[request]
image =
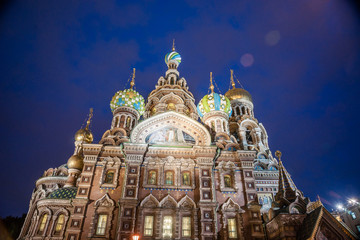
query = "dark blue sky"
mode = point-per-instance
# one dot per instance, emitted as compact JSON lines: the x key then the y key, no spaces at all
{"x":59,"y":58}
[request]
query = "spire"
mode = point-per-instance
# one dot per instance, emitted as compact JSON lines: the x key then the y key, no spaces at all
{"x":232,"y":78}
{"x":287,"y":188}
{"x":89,"y":119}
{"x":211,"y":83}
{"x":173,"y":46}
{"x":132,"y":83}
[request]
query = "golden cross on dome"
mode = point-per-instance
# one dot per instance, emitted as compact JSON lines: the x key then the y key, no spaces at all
{"x":278,"y":155}
{"x":232,"y":78}
{"x":89,"y":119}
{"x":173,"y":47}
{"x":132,"y":83}
{"x":211,"y":83}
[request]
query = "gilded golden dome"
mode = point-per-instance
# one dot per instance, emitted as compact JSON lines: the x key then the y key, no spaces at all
{"x":84,"y":135}
{"x":238,"y":93}
{"x":75,"y":161}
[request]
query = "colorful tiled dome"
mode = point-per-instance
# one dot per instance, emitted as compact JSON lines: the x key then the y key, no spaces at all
{"x":214,"y":102}
{"x":63,"y":193}
{"x":173,"y":57}
{"x":128,"y":98}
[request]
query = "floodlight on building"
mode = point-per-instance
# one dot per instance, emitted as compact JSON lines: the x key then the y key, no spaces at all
{"x":135,"y":237}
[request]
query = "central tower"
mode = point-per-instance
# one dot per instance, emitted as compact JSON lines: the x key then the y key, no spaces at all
{"x":171,"y":91}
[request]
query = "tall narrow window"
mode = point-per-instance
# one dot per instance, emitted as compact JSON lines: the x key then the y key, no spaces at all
{"x":186,"y":179}
{"x":149,"y":225}
{"x":109,"y":178}
{"x":128,"y":120}
{"x":186,"y":227}
{"x":43,"y":223}
{"x":116,"y":122}
{"x":232,"y":228}
{"x":152,"y":177}
{"x":224,"y":126}
{"x":169,"y":178}
{"x":353,"y":215}
{"x":101,"y":224}
{"x":227,"y":181}
{"x":167,"y":226}
{"x":60,"y":223}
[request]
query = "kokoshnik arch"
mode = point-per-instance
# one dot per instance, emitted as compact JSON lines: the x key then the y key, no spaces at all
{"x":169,"y":176}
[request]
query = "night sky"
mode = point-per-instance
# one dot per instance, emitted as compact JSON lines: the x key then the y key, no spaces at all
{"x":300,"y":60}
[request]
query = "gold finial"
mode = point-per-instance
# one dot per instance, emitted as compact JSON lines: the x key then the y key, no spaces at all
{"x":173,"y":47}
{"x":278,"y":155}
{"x":211,"y":83}
{"x":232,"y":78}
{"x":89,"y":119}
{"x":132,"y":83}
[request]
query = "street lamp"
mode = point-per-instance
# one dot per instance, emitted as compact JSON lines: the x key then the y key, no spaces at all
{"x":136,"y":237}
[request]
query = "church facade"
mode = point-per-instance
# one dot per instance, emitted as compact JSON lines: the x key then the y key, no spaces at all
{"x":160,"y":173}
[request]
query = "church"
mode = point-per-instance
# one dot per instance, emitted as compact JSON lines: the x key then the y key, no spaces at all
{"x":171,"y":167}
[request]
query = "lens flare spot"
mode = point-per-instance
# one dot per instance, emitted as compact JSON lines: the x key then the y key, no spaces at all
{"x":272,"y":38}
{"x":247,"y":60}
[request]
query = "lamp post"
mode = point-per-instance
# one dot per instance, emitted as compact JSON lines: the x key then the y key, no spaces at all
{"x":136,"y":236}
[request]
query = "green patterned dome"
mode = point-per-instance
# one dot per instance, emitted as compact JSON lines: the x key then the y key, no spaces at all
{"x":63,"y":193}
{"x":214,"y":102}
{"x":128,"y":98}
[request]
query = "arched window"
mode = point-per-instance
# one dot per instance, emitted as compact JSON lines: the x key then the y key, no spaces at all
{"x":101,"y":224}
{"x":59,"y":224}
{"x":128,"y":121}
{"x":237,"y":110}
{"x":43,"y":223}
{"x":109,"y":177}
{"x":169,"y":178}
{"x":116,"y":122}
{"x":213,"y":126}
{"x":243,"y":110}
{"x":249,"y":138}
{"x":152,"y":177}
{"x":224,"y":126}
{"x":186,"y":179}
{"x":122,"y":121}
{"x":133,"y":123}
{"x":227,"y":180}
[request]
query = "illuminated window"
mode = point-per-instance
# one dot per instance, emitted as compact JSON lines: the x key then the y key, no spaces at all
{"x":59,"y":223}
{"x":128,"y":120}
{"x":167,"y":226}
{"x":186,"y":179}
{"x":358,"y":228}
{"x":227,"y":181}
{"x":232,"y":228}
{"x":101,"y":224}
{"x":109,"y":178}
{"x":152,"y":177}
{"x":352,"y":214}
{"x":149,"y":225}
{"x":169,"y":178}
{"x":43,"y":223}
{"x":186,"y":226}
{"x":116,"y":121}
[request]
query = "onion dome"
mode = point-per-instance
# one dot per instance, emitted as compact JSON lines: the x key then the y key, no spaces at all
{"x":75,"y":162}
{"x":84,"y":134}
{"x":173,"y":57}
{"x":128,"y":98}
{"x":63,"y":193}
{"x":237,"y":93}
{"x":214,"y":102}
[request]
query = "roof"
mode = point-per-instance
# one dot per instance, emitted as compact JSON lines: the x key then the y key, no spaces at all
{"x":310,"y":223}
{"x":63,"y":193}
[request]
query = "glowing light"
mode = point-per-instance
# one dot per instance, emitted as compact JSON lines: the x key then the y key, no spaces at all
{"x":272,"y":38}
{"x":247,"y":60}
{"x":135,"y":237}
{"x":340,"y":207}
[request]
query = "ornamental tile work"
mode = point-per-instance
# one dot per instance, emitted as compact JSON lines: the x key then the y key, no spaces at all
{"x":63,"y":193}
